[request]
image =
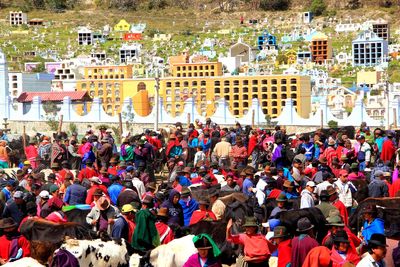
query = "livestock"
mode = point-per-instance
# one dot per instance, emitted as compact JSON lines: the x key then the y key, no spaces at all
{"x":25,"y":262}
{"x":43,"y":230}
{"x":173,"y":254}
{"x":98,"y":253}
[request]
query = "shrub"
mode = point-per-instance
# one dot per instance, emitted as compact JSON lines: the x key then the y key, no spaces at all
{"x":318,"y":7}
{"x":332,"y":124}
{"x":274,"y":4}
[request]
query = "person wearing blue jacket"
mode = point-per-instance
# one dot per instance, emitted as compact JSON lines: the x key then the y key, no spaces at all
{"x":372,"y":224}
{"x":115,"y":189}
{"x":75,"y":193}
{"x":189,"y":205}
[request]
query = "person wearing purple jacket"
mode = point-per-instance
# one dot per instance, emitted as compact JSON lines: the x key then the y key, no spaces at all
{"x":208,"y":253}
{"x":175,"y":211}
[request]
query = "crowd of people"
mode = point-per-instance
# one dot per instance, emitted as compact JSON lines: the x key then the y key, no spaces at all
{"x":117,"y":185}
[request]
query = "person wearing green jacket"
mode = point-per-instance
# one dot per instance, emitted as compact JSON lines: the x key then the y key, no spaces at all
{"x":145,"y":237}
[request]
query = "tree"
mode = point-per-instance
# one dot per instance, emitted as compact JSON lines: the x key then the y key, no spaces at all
{"x":274,"y":5}
{"x":124,"y":4}
{"x":56,"y":4}
{"x":318,"y":7}
{"x":332,"y":124}
{"x":354,"y":4}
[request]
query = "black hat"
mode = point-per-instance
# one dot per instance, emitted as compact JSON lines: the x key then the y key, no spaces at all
{"x":341,"y":237}
{"x":7,"y":223}
{"x":370,"y":209}
{"x":324,"y":194}
{"x":203,"y":243}
{"x":377,"y":240}
{"x":304,"y":225}
{"x":213,"y":192}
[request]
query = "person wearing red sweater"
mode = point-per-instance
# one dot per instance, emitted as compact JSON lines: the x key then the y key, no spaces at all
{"x":12,"y":244}
{"x":32,"y":153}
{"x":164,"y":231}
{"x":388,"y":148}
{"x":338,"y":204}
{"x":257,"y":249}
{"x":342,"y":252}
{"x":95,"y":183}
{"x":202,"y":214}
{"x":282,"y":239}
{"x":87,"y":172}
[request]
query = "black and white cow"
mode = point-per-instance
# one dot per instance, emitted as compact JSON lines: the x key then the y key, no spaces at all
{"x":98,"y":253}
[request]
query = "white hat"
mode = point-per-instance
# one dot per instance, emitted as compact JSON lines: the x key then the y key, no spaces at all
{"x":310,"y":183}
{"x":44,"y":194}
{"x":96,"y":180}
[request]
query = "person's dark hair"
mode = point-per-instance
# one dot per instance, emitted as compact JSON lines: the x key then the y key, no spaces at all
{"x":73,"y":142}
{"x":51,"y":176}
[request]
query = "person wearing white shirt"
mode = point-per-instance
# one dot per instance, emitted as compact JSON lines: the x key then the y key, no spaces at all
{"x":376,"y":252}
{"x":307,"y":198}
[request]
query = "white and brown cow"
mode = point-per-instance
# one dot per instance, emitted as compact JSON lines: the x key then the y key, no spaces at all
{"x":98,"y":253}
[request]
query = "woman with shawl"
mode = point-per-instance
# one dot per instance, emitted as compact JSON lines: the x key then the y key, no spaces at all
{"x":208,"y":253}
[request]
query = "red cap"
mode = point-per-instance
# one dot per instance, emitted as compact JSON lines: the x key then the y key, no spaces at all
{"x":343,"y":172}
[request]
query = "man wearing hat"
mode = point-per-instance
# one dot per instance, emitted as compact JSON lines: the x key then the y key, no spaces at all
{"x":364,"y":153}
{"x":372,"y":224}
{"x":255,"y":245}
{"x":248,"y":182}
{"x":330,"y":152}
{"x":105,"y":153}
{"x":145,"y":236}
{"x":335,"y":201}
{"x":13,"y":245}
{"x":307,"y":196}
{"x":124,"y":223}
{"x":325,"y":206}
{"x":303,"y":243}
{"x":289,"y":190}
{"x":165,"y":232}
{"x":342,"y":252}
{"x":281,"y":202}
{"x":15,"y":207}
{"x":378,"y":188}
{"x":115,"y":189}
{"x":239,"y":153}
{"x":95,"y":183}
{"x":377,"y":249}
{"x":282,"y":239}
{"x":64,"y":171}
{"x":189,"y":205}
{"x":102,"y":215}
